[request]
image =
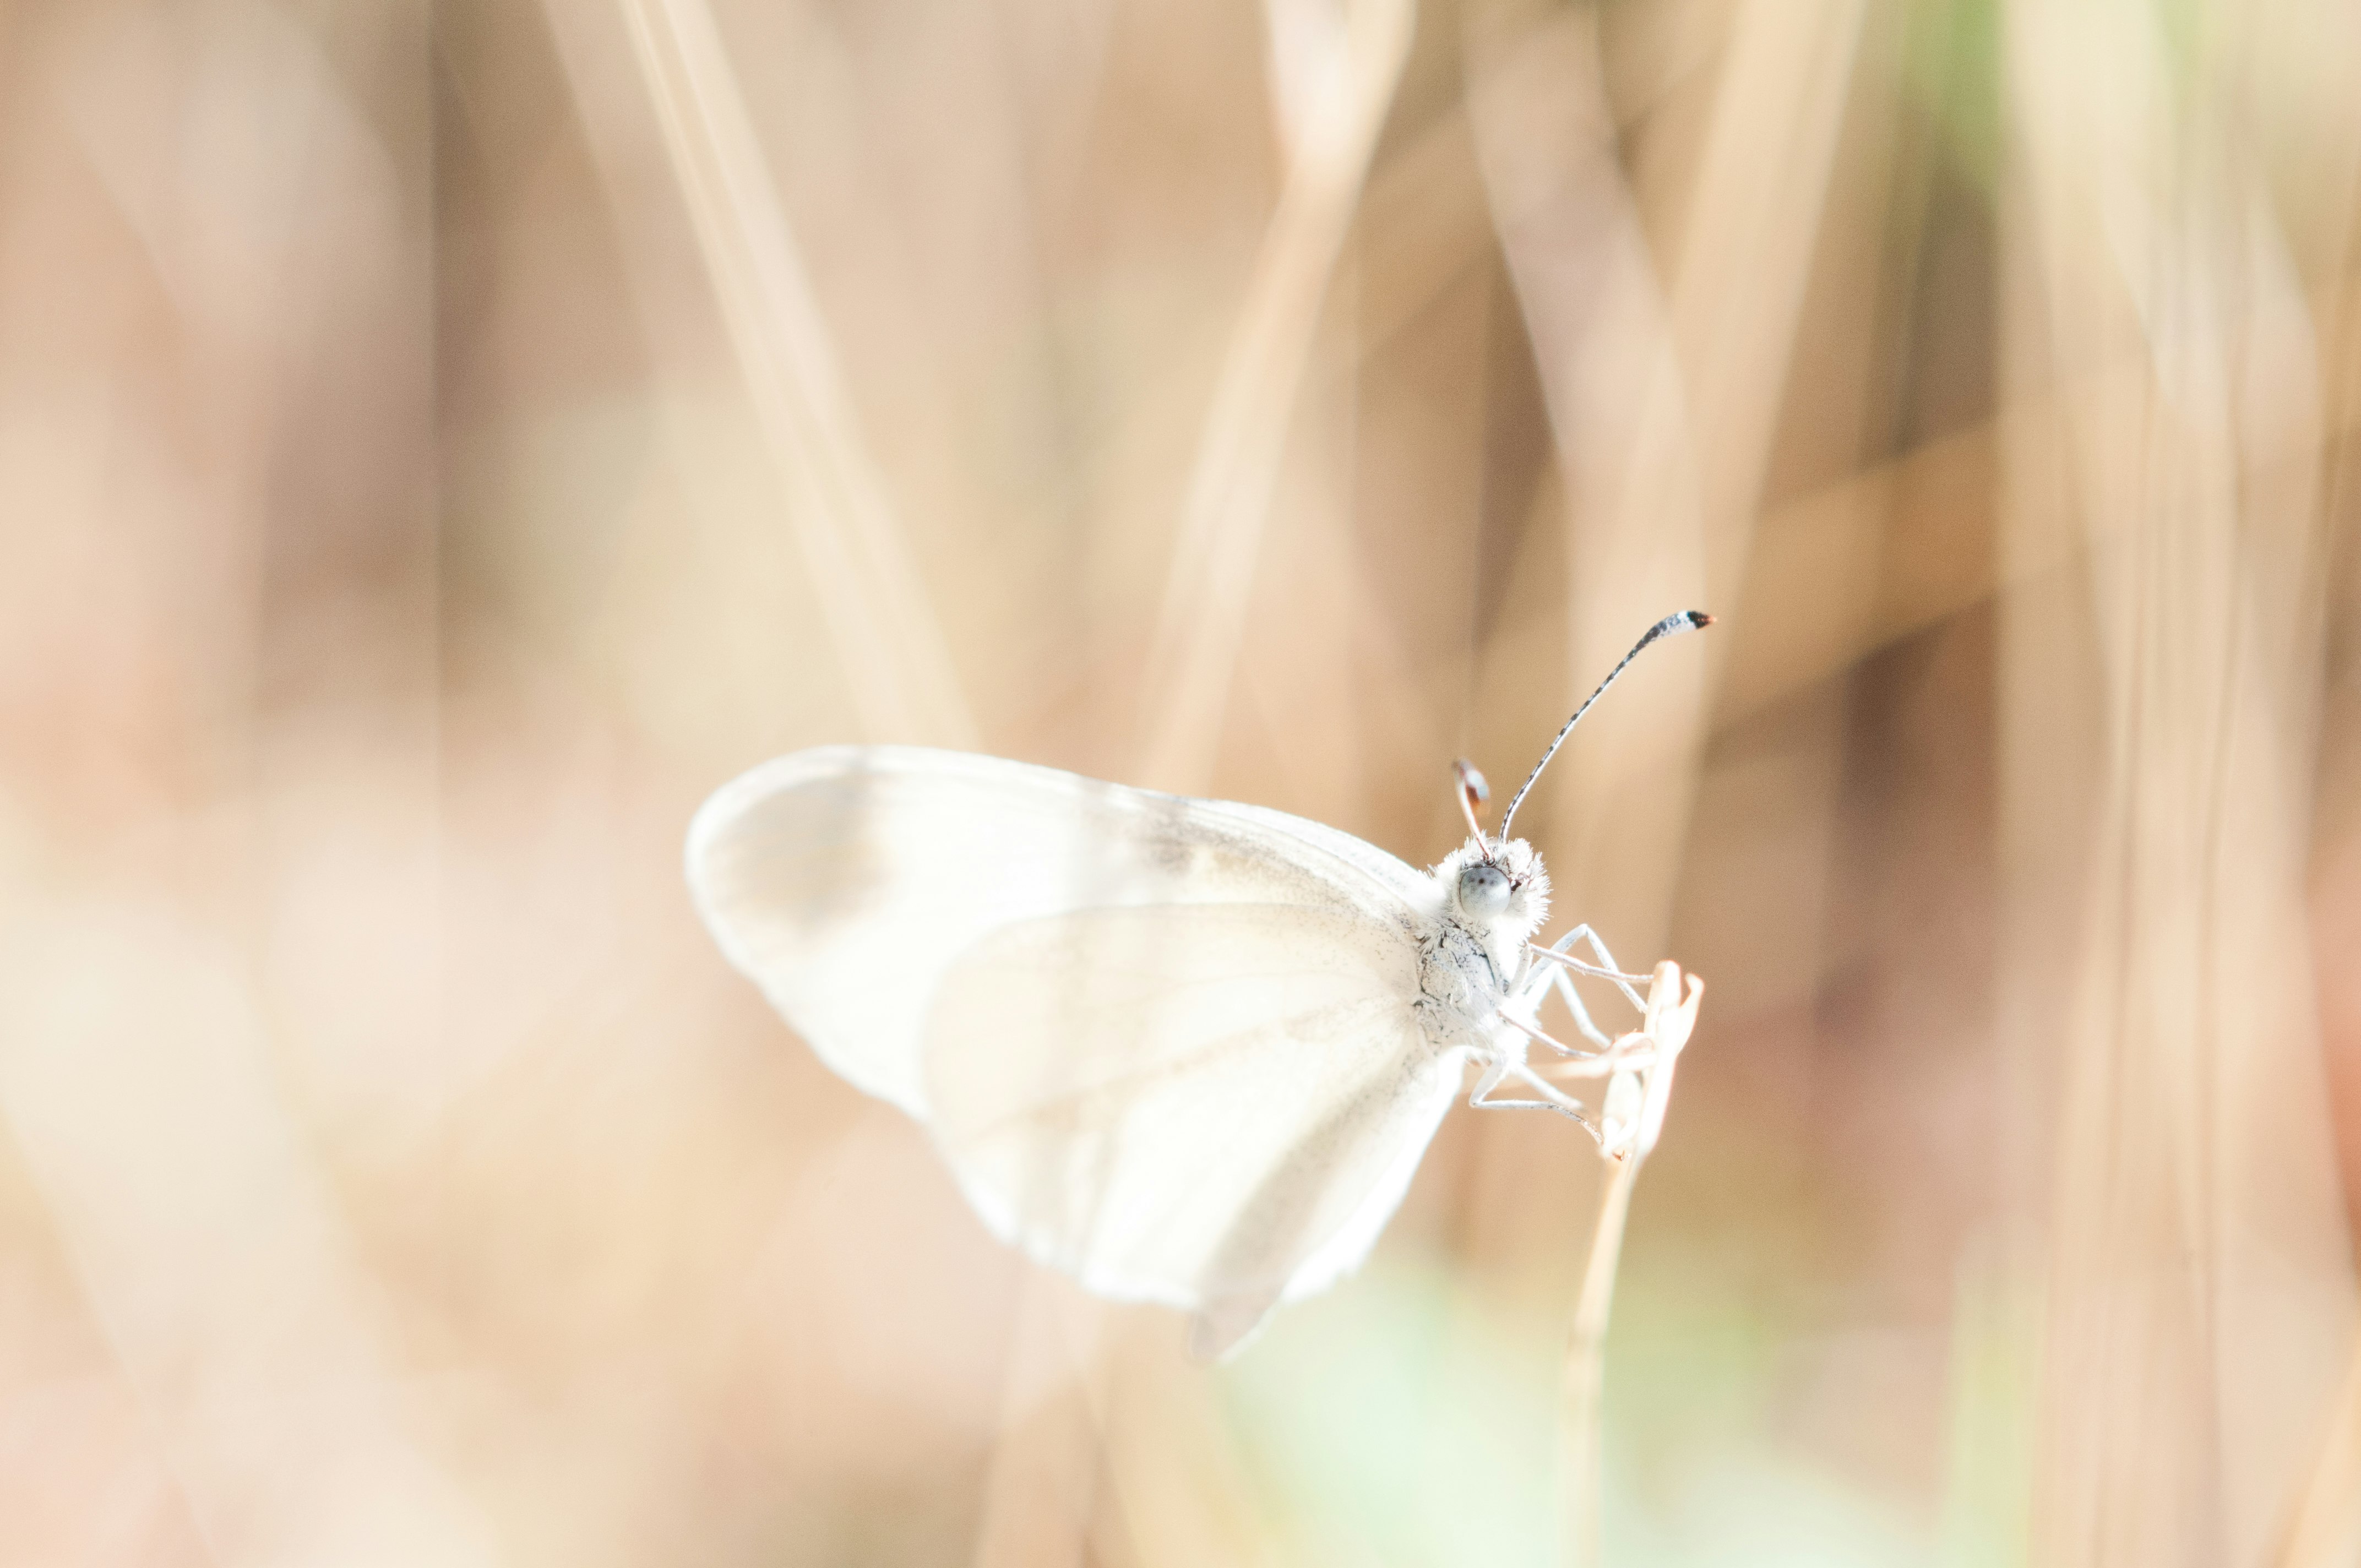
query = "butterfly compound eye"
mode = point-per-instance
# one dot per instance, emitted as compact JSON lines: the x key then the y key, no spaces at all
{"x":1483,"y":890}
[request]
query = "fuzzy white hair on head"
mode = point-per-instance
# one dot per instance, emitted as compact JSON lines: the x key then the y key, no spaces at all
{"x":1496,"y":887}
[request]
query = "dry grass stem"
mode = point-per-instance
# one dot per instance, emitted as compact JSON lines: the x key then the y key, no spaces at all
{"x":887,"y":641}
{"x":438,"y":443}
{"x":1629,"y":1120}
{"x":2178,"y":1006}
{"x":1332,"y":71}
{"x":1581,"y":1431}
{"x":1662,"y":376}
{"x":1334,"y":66}
{"x":2325,"y":1526}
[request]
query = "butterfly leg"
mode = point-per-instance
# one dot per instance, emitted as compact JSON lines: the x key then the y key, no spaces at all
{"x":1617,"y":1058}
{"x":1574,"y":1004}
{"x":1541,"y":1038}
{"x":1560,"y":952}
{"x":1553,"y":975}
{"x":1624,"y":982}
{"x":1552,"y":1099}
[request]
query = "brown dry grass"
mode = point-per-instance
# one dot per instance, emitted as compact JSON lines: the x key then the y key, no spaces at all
{"x":439,"y":443}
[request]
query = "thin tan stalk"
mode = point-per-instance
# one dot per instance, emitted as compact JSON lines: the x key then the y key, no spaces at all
{"x":1663,"y":371}
{"x":1042,"y":1484}
{"x":2325,"y":1526}
{"x":1581,"y":1441}
{"x":1630,"y":1119}
{"x":1333,"y":71}
{"x":884,"y":632}
{"x":2157,"y":748}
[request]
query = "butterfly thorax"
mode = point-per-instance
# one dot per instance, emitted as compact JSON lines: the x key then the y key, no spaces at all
{"x":1460,"y":988}
{"x":1495,"y":896}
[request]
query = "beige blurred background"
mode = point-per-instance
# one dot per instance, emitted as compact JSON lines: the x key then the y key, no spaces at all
{"x":441,"y":442}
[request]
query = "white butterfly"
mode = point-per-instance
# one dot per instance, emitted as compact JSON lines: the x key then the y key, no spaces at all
{"x":1188,"y":1051}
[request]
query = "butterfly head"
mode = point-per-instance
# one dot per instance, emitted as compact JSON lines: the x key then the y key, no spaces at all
{"x":1497,"y":888}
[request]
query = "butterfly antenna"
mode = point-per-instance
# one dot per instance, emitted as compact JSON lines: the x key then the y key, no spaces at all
{"x":1471,"y":792}
{"x":1684,"y":621}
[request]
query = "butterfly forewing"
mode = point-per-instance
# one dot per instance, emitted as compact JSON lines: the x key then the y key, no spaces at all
{"x":845,"y":880}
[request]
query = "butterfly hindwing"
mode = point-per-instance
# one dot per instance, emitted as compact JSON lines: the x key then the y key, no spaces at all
{"x":1189,"y":1104}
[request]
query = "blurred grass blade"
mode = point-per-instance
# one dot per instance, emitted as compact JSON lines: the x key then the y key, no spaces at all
{"x":212,"y":1248}
{"x":2325,"y":1531}
{"x":885,"y":634}
{"x":1662,"y":394}
{"x":2200,"y":1290}
{"x":1582,"y":1459}
{"x":1334,"y":66}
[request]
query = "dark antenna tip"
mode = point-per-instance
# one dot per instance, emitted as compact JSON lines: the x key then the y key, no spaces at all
{"x":1671,"y":625}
